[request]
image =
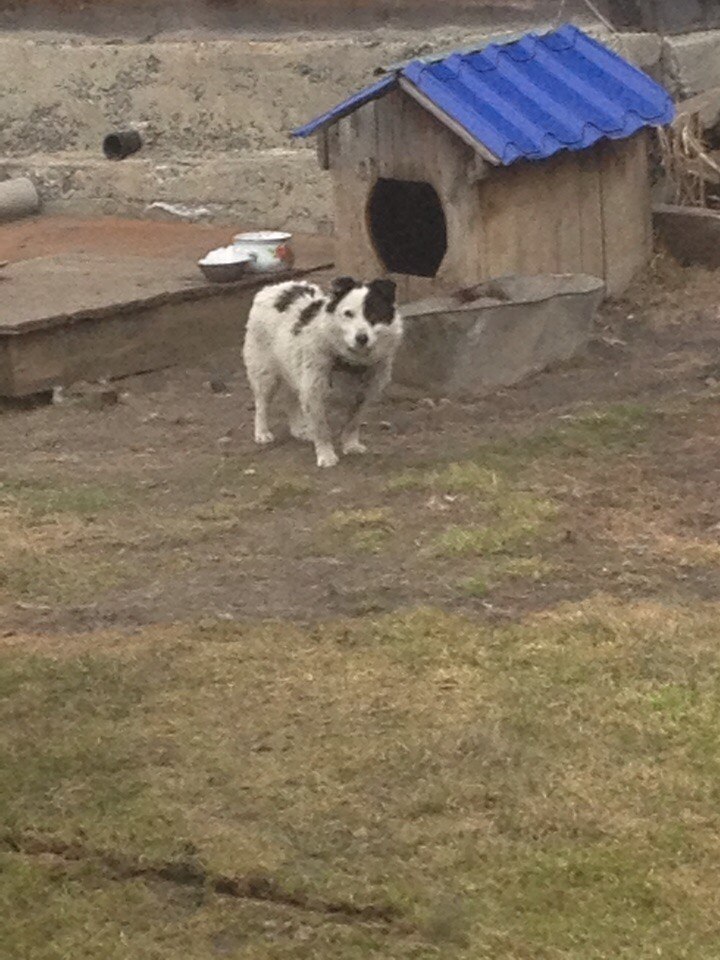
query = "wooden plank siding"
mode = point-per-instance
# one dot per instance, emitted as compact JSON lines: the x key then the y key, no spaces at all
{"x":626,"y":210}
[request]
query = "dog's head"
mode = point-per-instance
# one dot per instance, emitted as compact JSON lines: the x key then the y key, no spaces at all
{"x":365,"y":321}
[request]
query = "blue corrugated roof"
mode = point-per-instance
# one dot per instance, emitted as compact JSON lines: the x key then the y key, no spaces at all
{"x":530,"y":98}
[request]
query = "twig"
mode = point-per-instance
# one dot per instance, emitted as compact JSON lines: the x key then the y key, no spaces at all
{"x":603,"y":19}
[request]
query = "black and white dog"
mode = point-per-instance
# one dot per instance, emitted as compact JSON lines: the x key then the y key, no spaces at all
{"x":300,"y":335}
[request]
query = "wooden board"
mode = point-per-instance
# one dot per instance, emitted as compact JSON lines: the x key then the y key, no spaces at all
{"x":540,"y":218}
{"x":112,"y":318}
{"x":626,"y":210}
{"x":590,"y":203}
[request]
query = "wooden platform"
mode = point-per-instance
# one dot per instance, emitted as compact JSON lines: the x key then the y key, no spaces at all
{"x":85,"y":317}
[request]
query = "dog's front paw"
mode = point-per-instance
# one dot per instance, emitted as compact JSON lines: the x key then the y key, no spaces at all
{"x":354,"y":447}
{"x":327,"y":458}
{"x":263,"y":437}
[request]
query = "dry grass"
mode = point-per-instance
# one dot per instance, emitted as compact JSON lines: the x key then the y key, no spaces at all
{"x":364,"y":530}
{"x":542,"y":789}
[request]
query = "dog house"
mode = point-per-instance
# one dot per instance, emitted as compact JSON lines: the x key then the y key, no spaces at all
{"x":524,"y":157}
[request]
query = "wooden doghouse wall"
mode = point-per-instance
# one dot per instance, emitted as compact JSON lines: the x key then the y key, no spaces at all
{"x":586,"y":212}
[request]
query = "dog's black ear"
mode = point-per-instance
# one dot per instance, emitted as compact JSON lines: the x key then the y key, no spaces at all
{"x":380,"y":302}
{"x":338,"y":288}
{"x":385,"y":289}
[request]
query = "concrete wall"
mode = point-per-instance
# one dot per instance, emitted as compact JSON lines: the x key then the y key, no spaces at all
{"x":217,"y":114}
{"x":665,"y":16}
{"x":140,"y":17}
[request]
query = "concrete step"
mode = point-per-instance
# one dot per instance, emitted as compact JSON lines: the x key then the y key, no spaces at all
{"x":272,"y":189}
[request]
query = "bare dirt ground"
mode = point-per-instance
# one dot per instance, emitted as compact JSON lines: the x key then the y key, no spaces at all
{"x":205,"y":524}
{"x":457,"y":698}
{"x":112,"y":236}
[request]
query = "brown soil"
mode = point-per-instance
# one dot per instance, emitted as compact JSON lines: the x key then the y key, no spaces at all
{"x":108,"y":236}
{"x":204,"y":524}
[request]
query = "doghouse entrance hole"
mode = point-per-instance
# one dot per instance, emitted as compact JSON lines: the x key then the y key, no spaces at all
{"x":407,"y":226}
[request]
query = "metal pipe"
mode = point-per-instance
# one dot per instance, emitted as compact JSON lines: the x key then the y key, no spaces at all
{"x":121,"y":144}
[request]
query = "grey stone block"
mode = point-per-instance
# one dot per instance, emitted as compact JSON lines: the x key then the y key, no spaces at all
{"x":692,"y":63}
{"x":642,"y":49}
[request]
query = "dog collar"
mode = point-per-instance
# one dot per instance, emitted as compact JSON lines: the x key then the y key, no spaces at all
{"x":341,"y":365}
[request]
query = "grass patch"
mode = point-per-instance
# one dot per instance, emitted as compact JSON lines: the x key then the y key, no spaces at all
{"x":495,"y":465}
{"x":503,"y":568}
{"x":286,"y":492}
{"x":507,"y":517}
{"x":518,"y":521}
{"x":524,"y":568}
{"x":476,"y":586}
{"x":64,"y":578}
{"x":364,"y":530}
{"x":465,"y":477}
{"x":614,"y":430}
{"x":39,"y":499}
{"x":543,"y":789}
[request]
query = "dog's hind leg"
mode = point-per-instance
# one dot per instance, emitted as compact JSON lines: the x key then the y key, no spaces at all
{"x":350,"y":437}
{"x":264,"y":382}
{"x":297,"y":421}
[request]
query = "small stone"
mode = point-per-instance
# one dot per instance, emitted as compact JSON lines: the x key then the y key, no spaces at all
{"x":219,"y":386}
{"x":385,"y":425}
{"x":427,"y":402}
{"x":58,"y":395}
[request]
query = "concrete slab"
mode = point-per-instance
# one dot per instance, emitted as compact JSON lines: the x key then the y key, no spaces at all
{"x":85,"y":317}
